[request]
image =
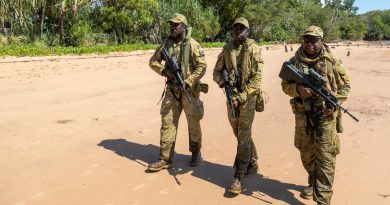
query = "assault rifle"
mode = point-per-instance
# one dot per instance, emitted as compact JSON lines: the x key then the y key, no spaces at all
{"x":315,"y":82}
{"x":228,"y":91}
{"x":173,"y":72}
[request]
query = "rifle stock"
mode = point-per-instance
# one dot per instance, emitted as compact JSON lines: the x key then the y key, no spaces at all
{"x":290,"y":73}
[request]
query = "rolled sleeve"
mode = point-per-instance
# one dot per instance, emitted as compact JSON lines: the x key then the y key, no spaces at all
{"x":218,"y":69}
{"x":199,"y":63}
{"x":155,"y":61}
{"x":344,"y":86}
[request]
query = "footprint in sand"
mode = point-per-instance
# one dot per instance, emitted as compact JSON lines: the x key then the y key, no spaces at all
{"x":86,"y":173}
{"x":163,"y":191}
{"x":19,"y":203}
{"x":89,"y":172}
{"x":153,"y":177}
{"x":63,"y":121}
{"x":39,"y":196}
{"x":138,"y":187}
{"x":289,"y":165}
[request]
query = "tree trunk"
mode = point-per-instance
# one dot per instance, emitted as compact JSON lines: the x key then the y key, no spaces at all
{"x":42,"y":18}
{"x":2,"y":17}
{"x":74,"y":16}
{"x":62,"y":23}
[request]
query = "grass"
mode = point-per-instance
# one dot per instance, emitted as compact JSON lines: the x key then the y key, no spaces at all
{"x":34,"y":50}
{"x":212,"y":44}
{"x":41,"y":50}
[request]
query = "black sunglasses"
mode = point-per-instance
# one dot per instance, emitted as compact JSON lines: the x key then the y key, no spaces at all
{"x":310,"y":40}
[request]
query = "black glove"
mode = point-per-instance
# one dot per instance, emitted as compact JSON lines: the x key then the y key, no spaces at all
{"x":163,"y":72}
{"x":224,"y":84}
{"x":187,"y":86}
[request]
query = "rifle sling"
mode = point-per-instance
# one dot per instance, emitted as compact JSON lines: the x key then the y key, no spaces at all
{"x":169,"y":82}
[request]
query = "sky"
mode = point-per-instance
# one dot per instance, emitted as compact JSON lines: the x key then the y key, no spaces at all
{"x":369,"y":5}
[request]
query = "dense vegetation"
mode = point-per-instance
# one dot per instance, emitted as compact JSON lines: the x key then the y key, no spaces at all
{"x":83,"y":23}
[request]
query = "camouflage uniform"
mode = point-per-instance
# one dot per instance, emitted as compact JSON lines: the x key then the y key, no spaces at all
{"x":192,"y":61}
{"x":247,"y":63}
{"x":318,"y":153}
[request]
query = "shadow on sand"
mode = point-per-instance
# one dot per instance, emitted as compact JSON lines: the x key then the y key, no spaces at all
{"x":255,"y":186}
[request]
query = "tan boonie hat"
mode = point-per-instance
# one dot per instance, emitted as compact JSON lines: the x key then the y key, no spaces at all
{"x":313,"y":31}
{"x":242,"y":21}
{"x":178,"y":18}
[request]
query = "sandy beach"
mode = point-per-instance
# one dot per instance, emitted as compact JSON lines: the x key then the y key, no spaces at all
{"x":82,"y":129}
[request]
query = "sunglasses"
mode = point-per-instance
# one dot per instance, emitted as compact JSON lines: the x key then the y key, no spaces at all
{"x":311,"y":40}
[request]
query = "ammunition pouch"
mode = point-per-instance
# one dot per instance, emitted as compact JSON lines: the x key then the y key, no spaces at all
{"x":260,"y":101}
{"x":297,"y":106}
{"x":339,"y":120}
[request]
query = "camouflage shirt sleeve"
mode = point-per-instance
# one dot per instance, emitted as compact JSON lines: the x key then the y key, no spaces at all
{"x":155,"y":61}
{"x":290,"y":88}
{"x":254,"y":82}
{"x":198,"y":62}
{"x":343,"y":83}
{"x":218,"y":69}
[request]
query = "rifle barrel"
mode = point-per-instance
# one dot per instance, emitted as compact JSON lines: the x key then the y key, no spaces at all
{"x":350,"y":114}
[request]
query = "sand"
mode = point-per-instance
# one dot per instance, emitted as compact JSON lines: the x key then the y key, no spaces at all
{"x":81,"y":130}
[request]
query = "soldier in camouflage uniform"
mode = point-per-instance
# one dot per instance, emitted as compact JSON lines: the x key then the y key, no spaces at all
{"x":316,"y":123}
{"x":192,"y":61}
{"x":243,"y":61}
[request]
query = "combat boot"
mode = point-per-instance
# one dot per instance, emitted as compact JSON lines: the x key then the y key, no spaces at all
{"x":235,"y":187}
{"x":307,"y":192}
{"x":196,"y":158}
{"x":159,"y":165}
{"x":253,"y":168}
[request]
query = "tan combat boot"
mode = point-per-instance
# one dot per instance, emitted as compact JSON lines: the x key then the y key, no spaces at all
{"x":307,"y":192}
{"x":159,"y":165}
{"x":235,"y":187}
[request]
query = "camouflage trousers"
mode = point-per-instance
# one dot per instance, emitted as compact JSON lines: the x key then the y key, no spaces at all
{"x":242,"y":128}
{"x":318,"y":157}
{"x":171,"y":109}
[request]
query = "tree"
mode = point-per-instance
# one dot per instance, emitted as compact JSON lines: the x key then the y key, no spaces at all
{"x":335,"y":12}
{"x":128,"y":19}
{"x":354,"y":28}
{"x":77,"y":22}
{"x":378,"y":25}
{"x":203,"y":20}
{"x":269,"y":23}
{"x":227,"y":11}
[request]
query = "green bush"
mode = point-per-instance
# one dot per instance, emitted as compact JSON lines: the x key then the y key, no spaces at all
{"x":17,"y":39}
{"x":3,"y":40}
{"x":81,"y":34}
